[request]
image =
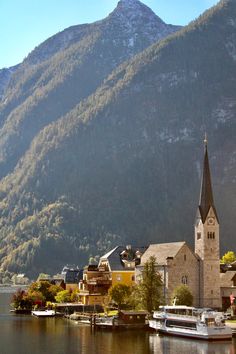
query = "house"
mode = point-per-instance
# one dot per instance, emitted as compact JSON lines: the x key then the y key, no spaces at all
{"x":95,"y":284}
{"x":71,"y":275}
{"x":121,"y":263}
{"x":227,"y":288}
{"x":115,"y":267}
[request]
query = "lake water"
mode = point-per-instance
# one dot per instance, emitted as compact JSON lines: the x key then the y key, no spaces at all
{"x":25,"y":334}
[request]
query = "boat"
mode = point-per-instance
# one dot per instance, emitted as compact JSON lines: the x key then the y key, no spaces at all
{"x":106,"y":322}
{"x":43,"y":313}
{"x":123,"y":319}
{"x":190,"y":322}
{"x":80,"y":317}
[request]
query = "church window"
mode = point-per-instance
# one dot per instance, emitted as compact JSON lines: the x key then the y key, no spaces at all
{"x":211,"y":292}
{"x":211,"y":235}
{"x":198,"y":235}
{"x":184,"y":279}
{"x":185,"y":257}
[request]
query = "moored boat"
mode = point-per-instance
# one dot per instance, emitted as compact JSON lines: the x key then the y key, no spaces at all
{"x":43,"y":313}
{"x":123,"y":319}
{"x":190,"y":322}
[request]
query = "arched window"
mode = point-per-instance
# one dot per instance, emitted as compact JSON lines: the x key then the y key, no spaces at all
{"x":184,"y":279}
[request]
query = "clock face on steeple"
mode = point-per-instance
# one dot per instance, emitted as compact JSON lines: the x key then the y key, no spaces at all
{"x":211,"y":221}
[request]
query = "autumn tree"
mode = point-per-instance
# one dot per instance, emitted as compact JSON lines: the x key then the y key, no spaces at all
{"x":229,"y":257}
{"x":63,"y":296}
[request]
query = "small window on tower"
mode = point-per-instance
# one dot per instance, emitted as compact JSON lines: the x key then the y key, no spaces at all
{"x":198,"y":235}
{"x":185,"y":257}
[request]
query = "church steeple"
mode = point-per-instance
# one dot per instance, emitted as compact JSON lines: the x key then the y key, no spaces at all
{"x":207,"y":241}
{"x":206,"y":200}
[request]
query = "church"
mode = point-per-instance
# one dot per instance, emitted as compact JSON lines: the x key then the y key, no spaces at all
{"x":199,"y":270}
{"x":176,"y":262}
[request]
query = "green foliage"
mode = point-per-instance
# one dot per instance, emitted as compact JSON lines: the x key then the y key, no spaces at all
{"x":63,"y":296}
{"x":182,"y":296}
{"x":228,"y":257}
{"x":120,"y":293}
{"x":88,"y":152}
{"x":149,"y":288}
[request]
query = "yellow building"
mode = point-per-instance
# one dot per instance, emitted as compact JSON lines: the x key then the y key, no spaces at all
{"x":121,"y":263}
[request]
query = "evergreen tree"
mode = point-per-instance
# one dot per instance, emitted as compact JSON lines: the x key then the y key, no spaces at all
{"x":150,"y":286}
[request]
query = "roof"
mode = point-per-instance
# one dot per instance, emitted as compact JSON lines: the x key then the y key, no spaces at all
{"x":141,"y":312}
{"x":107,"y":255}
{"x":114,"y":257}
{"x":206,"y":200}
{"x":226,"y":279}
{"x":162,"y":251}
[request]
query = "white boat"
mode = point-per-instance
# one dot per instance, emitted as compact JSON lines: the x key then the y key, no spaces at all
{"x":190,"y":322}
{"x":43,"y":313}
{"x":106,"y":321}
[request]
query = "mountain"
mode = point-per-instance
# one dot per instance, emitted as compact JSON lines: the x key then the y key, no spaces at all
{"x":122,"y":162}
{"x":67,"y":68}
{"x":5,"y":76}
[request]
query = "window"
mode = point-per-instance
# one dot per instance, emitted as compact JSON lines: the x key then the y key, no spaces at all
{"x":184,"y":279}
{"x":198,"y":235}
{"x":185,"y":257}
{"x":211,"y":235}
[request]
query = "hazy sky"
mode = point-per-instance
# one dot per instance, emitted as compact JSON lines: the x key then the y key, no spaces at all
{"x":24,"y":24}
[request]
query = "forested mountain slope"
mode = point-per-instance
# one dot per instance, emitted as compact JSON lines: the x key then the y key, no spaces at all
{"x":124,"y":165}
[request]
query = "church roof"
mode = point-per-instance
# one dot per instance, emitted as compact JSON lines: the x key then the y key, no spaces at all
{"x":206,"y":200}
{"x":162,"y":251}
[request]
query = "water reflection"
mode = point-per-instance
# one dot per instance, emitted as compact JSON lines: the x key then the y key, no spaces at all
{"x":163,"y":345}
{"x":27,"y":335}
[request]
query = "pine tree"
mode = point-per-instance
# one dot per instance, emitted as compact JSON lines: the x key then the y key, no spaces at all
{"x":150,"y":286}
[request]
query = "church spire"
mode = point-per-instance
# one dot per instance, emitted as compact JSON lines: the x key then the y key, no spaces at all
{"x":206,"y":200}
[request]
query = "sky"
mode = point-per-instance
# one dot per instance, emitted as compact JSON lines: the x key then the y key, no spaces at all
{"x":24,"y":24}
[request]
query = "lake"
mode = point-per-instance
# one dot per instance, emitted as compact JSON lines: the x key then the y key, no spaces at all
{"x":25,"y":334}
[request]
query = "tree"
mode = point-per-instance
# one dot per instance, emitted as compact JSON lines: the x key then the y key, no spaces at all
{"x":120,"y":293}
{"x":182,"y":295}
{"x":20,"y":300}
{"x":150,"y":286}
{"x":229,"y":257}
{"x":63,"y":296}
